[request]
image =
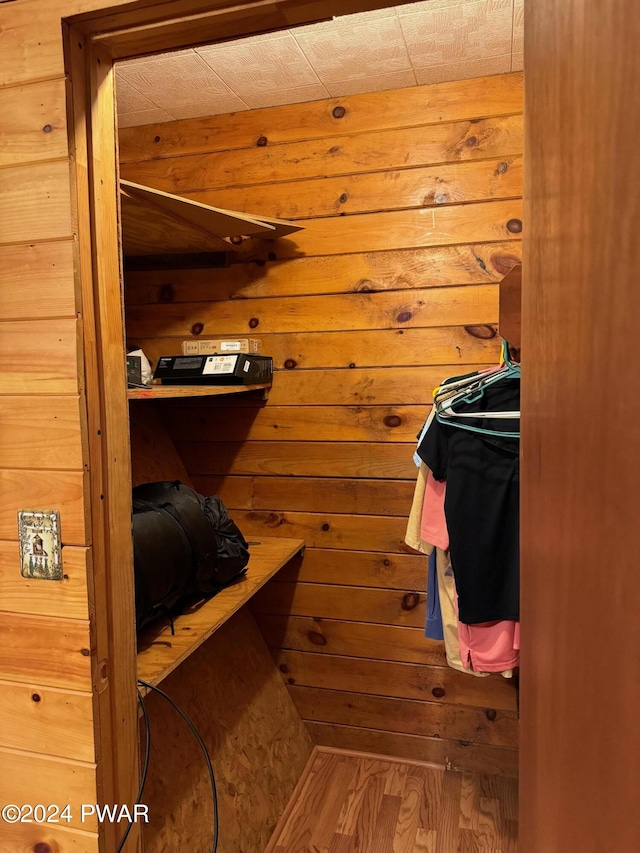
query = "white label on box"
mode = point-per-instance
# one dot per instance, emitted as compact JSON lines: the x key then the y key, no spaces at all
{"x":247,"y":366}
{"x":220,"y":364}
{"x":190,"y":347}
{"x":230,"y":346}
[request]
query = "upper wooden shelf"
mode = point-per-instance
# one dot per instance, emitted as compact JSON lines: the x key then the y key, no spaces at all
{"x":160,"y":652}
{"x":164,"y":392}
{"x":158,"y":223}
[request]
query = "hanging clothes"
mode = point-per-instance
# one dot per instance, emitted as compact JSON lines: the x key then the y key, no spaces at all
{"x":481,"y":507}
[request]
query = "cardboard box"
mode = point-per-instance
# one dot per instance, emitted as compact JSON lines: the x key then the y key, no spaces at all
{"x":208,"y":346}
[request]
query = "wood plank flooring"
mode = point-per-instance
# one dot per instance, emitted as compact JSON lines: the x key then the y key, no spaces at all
{"x":355,"y":803}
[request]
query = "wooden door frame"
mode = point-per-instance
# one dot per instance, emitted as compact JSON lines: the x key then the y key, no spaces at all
{"x":92,"y":42}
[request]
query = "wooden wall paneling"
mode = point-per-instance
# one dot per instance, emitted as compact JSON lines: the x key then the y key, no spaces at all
{"x":389,"y":269}
{"x":25,"y":837}
{"x":54,"y":652}
{"x":29,"y":778}
{"x":370,"y":192}
{"x":362,"y":568}
{"x":427,"y":719}
{"x":353,"y":639}
{"x":34,"y":127}
{"x":406,"y":229}
{"x":399,"y":680}
{"x":296,"y":423}
{"x":68,"y":597}
{"x":36,"y":281}
{"x":446,"y":306}
{"x":46,"y":720}
{"x":329,"y":530}
{"x":579,"y":772}
{"x":454,"y":755}
{"x":451,"y":101}
{"x":306,"y":494}
{"x":389,"y":386}
{"x":256,"y":739}
{"x":386,"y":606}
{"x":362,"y":328}
{"x":153,"y":453}
{"x":38,"y":197}
{"x":63,"y":490}
{"x":307,"y":459}
{"x":40,"y":433}
{"x":30,"y":42}
{"x":39,"y":356}
{"x":378,"y":348}
{"x":383,"y":150}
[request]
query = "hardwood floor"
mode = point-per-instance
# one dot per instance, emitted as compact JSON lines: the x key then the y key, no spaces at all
{"x":354,"y":803}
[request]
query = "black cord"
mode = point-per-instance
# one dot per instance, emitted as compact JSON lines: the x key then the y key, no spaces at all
{"x":143,"y":779}
{"x":202,"y":745}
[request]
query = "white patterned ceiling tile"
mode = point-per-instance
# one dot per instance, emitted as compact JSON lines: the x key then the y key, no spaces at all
{"x":260,"y":65}
{"x":174,"y":79}
{"x":377,"y":83}
{"x":428,"y":6}
{"x":342,"y":51}
{"x":138,"y":117}
{"x":278,"y":97}
{"x":209,"y":105}
{"x":129,"y":99}
{"x":518,"y":26}
{"x":464,"y":70}
{"x":474,"y":30}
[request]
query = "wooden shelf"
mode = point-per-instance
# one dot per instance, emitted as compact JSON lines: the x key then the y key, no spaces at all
{"x":159,"y":653}
{"x":163,"y":392}
{"x":156,"y":222}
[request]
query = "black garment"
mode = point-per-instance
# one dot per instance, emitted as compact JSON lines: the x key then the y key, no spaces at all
{"x":481,"y":505}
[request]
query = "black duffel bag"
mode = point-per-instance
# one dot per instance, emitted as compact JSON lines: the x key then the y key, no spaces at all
{"x":184,"y":546}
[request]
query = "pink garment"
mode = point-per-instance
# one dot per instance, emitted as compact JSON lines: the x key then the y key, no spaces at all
{"x":433,"y":525}
{"x":487,"y":646}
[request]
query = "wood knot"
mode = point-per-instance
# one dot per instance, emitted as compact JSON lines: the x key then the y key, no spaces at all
{"x":502,"y":168}
{"x":335,"y":149}
{"x":490,"y":714}
{"x":36,"y":697}
{"x":392,"y":421}
{"x":166,"y":294}
{"x":317,"y":638}
{"x":47,"y":128}
{"x":404,"y":316}
{"x":352,"y":364}
{"x":197,"y":328}
{"x":410,"y":600}
{"x":42,"y":847}
{"x":262,"y":141}
{"x":484,"y":333}
{"x":85,"y":653}
{"x":386,"y":562}
{"x":514,"y":226}
{"x":438,"y":692}
{"x":338,"y":112}
{"x":156,"y":139}
{"x":503,"y":264}
{"x":343,"y":198}
{"x":291,"y":681}
{"x":254,"y":322}
{"x":326,"y":526}
{"x":290,"y":363}
{"x":283,"y":668}
{"x":440,"y":198}
{"x":471,"y":141}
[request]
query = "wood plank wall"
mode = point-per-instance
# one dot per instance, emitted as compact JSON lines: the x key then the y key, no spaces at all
{"x":47,"y":750}
{"x":411,"y":202}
